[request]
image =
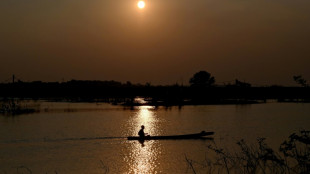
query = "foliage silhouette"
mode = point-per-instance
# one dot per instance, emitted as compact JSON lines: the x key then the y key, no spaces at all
{"x":201,"y":91}
{"x":300,"y":80}
{"x":293,"y":157}
{"x":202,"y":79}
{"x":242,"y":84}
{"x":13,"y":107}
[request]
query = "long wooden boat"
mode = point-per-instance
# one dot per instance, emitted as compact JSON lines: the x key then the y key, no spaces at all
{"x":200,"y":135}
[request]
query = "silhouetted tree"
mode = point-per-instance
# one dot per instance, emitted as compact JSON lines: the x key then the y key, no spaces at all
{"x":202,"y":79}
{"x":301,"y":81}
{"x":242,"y":84}
{"x":128,"y":83}
{"x":148,"y":84}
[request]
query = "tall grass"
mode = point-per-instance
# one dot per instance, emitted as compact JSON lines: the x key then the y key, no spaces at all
{"x":15,"y":107}
{"x":293,"y":157}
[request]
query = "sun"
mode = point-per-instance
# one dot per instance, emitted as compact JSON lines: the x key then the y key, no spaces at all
{"x":141,"y":4}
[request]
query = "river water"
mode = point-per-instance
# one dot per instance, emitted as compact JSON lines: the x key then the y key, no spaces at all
{"x":91,"y":137}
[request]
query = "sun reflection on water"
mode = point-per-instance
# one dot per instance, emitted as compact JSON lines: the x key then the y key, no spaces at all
{"x":143,"y":156}
{"x":145,"y":115}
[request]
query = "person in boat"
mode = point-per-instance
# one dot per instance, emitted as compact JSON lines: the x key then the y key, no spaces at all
{"x":141,"y":132}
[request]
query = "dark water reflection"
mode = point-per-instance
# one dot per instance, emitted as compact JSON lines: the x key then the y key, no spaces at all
{"x":78,"y":141}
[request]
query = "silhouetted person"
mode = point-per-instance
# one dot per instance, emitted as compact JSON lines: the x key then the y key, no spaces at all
{"x":141,"y":132}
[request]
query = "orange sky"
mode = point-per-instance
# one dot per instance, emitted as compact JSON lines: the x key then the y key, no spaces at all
{"x":263,"y":42}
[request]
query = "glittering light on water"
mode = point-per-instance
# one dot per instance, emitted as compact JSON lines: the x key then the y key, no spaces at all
{"x":143,"y":156}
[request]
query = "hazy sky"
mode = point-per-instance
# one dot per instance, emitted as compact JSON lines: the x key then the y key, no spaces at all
{"x":263,"y":42}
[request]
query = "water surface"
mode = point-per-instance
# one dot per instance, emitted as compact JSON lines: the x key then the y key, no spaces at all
{"x":91,"y":137}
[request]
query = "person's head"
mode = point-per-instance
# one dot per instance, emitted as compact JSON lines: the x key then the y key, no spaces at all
{"x":142,"y":127}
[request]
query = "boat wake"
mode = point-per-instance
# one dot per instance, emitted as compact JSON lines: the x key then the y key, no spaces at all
{"x":60,"y":139}
{"x":91,"y":138}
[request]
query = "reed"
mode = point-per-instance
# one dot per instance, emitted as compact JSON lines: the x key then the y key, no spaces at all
{"x":14,"y":107}
{"x":293,"y":157}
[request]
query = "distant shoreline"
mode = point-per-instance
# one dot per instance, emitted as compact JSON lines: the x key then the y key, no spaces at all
{"x":173,"y":95}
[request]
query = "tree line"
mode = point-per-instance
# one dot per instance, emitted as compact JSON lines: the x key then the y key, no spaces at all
{"x":202,"y":90}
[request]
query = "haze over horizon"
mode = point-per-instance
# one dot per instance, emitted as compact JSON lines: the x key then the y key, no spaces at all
{"x":263,"y":42}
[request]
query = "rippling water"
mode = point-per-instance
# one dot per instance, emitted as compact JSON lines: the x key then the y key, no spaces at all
{"x":91,"y":137}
